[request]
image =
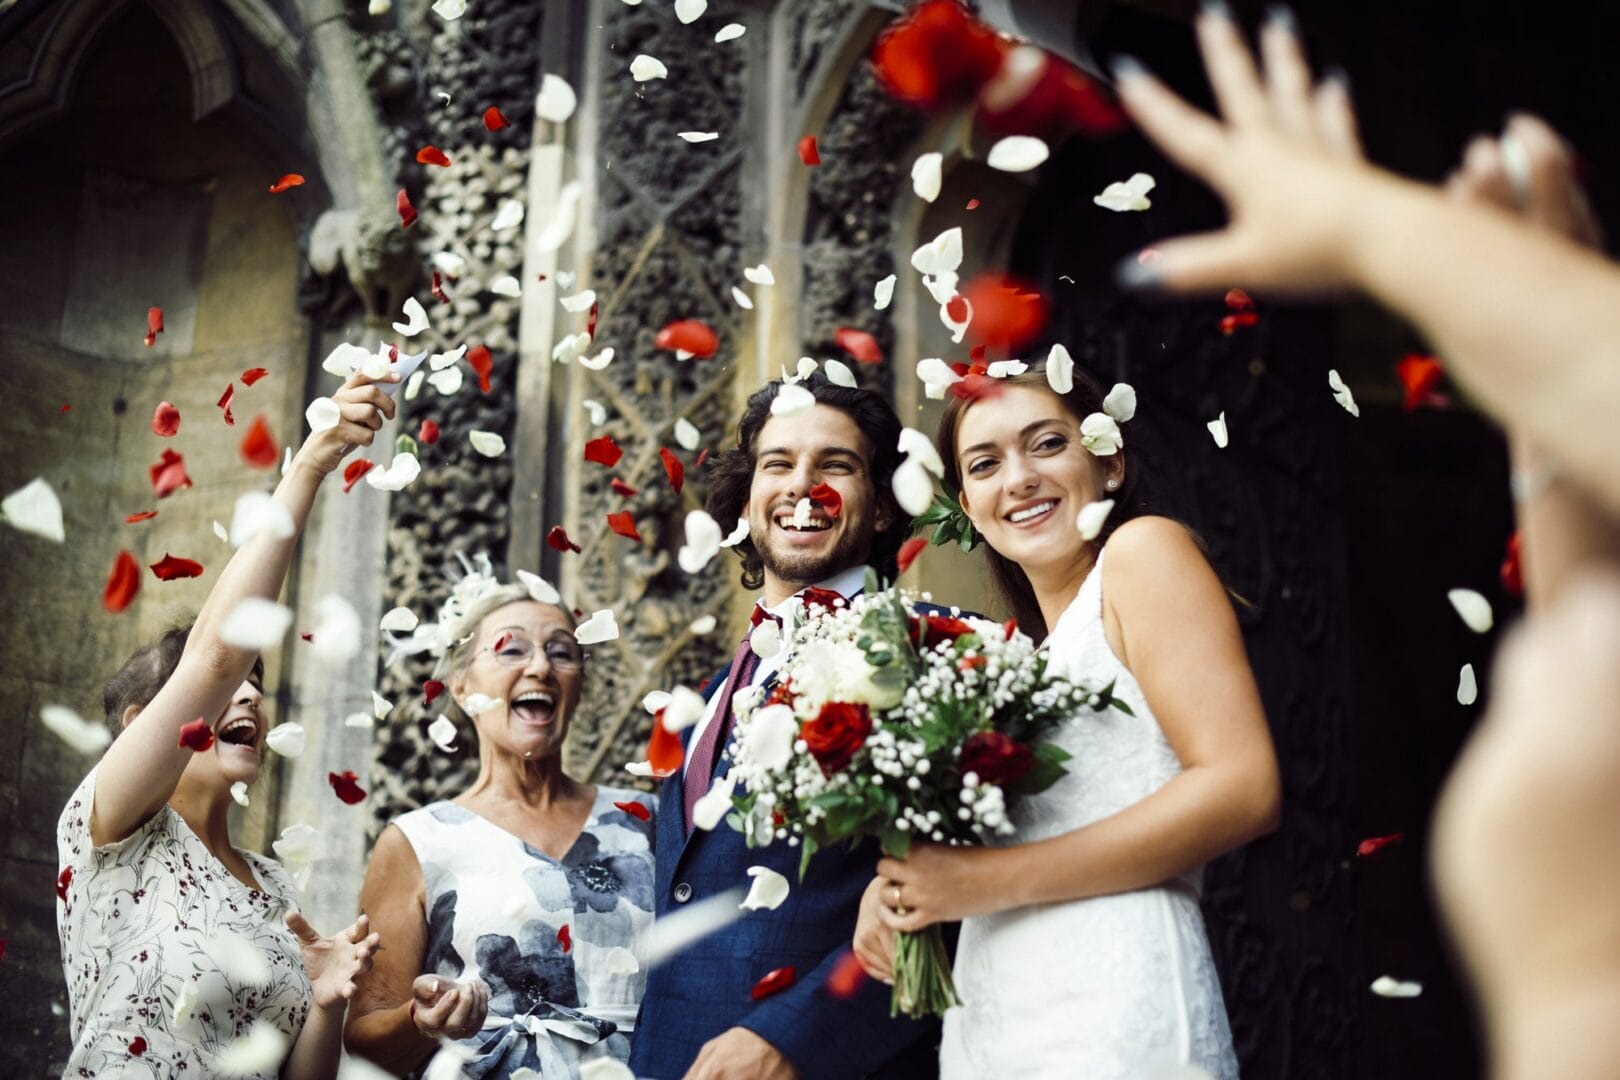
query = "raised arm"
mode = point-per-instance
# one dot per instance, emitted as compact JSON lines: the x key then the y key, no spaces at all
{"x":139,"y":772}
{"x":1530,"y":322}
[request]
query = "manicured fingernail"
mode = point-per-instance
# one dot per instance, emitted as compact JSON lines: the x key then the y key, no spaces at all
{"x":1133,"y":273}
{"x":1338,"y":77}
{"x":1126,"y":67}
{"x":1281,"y":17}
{"x":1216,"y":9}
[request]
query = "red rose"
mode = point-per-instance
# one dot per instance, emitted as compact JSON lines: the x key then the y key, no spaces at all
{"x":836,"y":733}
{"x":814,"y":597}
{"x":940,"y":628}
{"x":996,"y":758}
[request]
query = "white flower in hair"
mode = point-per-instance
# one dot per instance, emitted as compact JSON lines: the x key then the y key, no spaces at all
{"x":478,"y":581}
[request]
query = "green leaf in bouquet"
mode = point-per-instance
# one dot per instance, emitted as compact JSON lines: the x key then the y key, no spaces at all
{"x":1106,"y":700}
{"x":807,"y":853}
{"x":1047,"y":770}
{"x":896,"y":842}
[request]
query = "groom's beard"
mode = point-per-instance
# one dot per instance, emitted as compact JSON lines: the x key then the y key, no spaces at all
{"x":807,"y":568}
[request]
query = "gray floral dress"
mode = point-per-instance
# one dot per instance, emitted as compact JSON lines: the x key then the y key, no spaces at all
{"x":169,"y":959}
{"x":555,"y":941}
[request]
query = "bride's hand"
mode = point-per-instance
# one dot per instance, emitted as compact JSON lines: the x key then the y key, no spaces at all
{"x":935,"y":883}
{"x":874,"y":942}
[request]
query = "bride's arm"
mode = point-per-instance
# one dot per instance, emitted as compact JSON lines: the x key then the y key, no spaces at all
{"x":1172,"y":623}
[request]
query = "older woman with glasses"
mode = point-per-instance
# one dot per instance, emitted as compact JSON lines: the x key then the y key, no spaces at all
{"x":512,"y":911}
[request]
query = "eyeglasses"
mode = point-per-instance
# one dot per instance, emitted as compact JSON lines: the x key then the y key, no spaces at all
{"x":510,"y":650}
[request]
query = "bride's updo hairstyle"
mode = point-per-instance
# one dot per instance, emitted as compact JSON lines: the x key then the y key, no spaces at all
{"x":1084,"y":399}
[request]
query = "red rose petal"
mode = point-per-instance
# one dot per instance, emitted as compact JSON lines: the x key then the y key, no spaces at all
{"x":590,"y":323}
{"x":137,"y":1046}
{"x":621,"y":488}
{"x":501,"y":642}
{"x":808,"y":152}
{"x":846,"y":976}
{"x":859,"y":344}
{"x":1007,"y":313}
{"x":253,"y":375}
{"x":557,"y":540}
{"x":956,"y":308}
{"x":1238,"y":300}
{"x":1375,"y":844}
{"x":1049,"y":102}
{"x":828,"y":498}
{"x":224,"y":403}
{"x":438,"y":289}
{"x":603,"y":451}
{"x":565,"y":939}
{"x":63,"y":880}
{"x":407,"y":212}
{"x":972,"y":204}
{"x":353,"y":471}
{"x":428,"y":433}
{"x":259,"y":449}
{"x":307,"y":636}
{"x":172,"y":566}
{"x":623,"y":524}
{"x":493,"y":120}
{"x":976,"y":387}
{"x":154,"y":325}
{"x":430,"y":690}
{"x":480,"y":360}
{"x":1009,"y":628}
{"x":346,"y":786}
{"x":909,"y":552}
{"x":774,"y":982}
{"x":289,"y":180}
{"x":1420,"y":375}
{"x":1230,"y":324}
{"x":144,"y":515}
{"x":122,"y":583}
{"x":65,"y":407}
{"x":664,"y":751}
{"x":937,"y":55}
{"x":688,"y":335}
{"x":703,"y":455}
{"x":1512,"y":570}
{"x":635,"y":810}
{"x":673,"y":468}
{"x":432,"y":155}
{"x":196,"y":736}
{"x":165,"y":420}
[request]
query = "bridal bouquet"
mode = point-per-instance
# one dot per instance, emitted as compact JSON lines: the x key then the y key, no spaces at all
{"x":891,"y":723}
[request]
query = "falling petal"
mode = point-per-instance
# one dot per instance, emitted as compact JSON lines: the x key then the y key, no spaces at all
{"x":760,"y":275}
{"x":1374,"y":844}
{"x":743,"y":300}
{"x":432,"y":155}
{"x":482,"y":363}
{"x":623,"y":524}
{"x":703,"y":624}
{"x":1060,"y":370}
{"x":673,"y":469}
{"x":380,"y":706}
{"x":600,"y":627}
{"x":560,"y":226}
{"x":557,"y":540}
{"x":730,"y":32}
{"x":909,"y":552}
{"x":346,"y":786}
{"x":255,"y":623}
{"x":1100,"y":434}
{"x":556,"y":101}
{"x":683,"y":709}
{"x":1474,"y":609}
{"x":645,"y":67}
{"x":603,"y":451}
{"x":702,"y":542}
{"x":860,"y":345}
{"x":688,"y":335}
{"x":926,"y":175}
{"x":1006,"y":369}
{"x":407,"y":212}
{"x":937,"y":377}
{"x":672,"y":933}
{"x":34,"y":508}
{"x":165,"y":420}
{"x":487,"y":443}
{"x":1217,"y":430}
{"x":1342,"y":394}
{"x":506,"y":285}
{"x":941,"y":255}
{"x":1017,"y":153}
{"x":286,"y":739}
{"x":595,"y":410}
{"x":449,"y":9}
{"x":446,"y":382}
{"x":737,"y":535}
{"x":808,"y":152}
{"x":1092,"y":516}
{"x":774,"y":982}
{"x":337,"y":629}
{"x":839,"y":373}
{"x":509,"y":214}
{"x":353,"y":471}
{"x":1127,"y":195}
{"x":172,"y":567}
{"x":259,"y":449}
{"x":687,"y":435}
{"x":443,"y":733}
{"x":494,"y":120}
{"x":791,"y":401}
{"x":689,"y":11}
{"x":399,"y":474}
{"x":289,"y":180}
{"x":919,"y":446}
{"x":239,"y":794}
{"x":1385,"y":986}
{"x":768,"y":892}
{"x":766,"y":639}
{"x":399,"y":620}
{"x":73,"y":729}
{"x":154,"y":325}
{"x":1121,"y":402}
{"x":539,"y":588}
{"x":712,"y":808}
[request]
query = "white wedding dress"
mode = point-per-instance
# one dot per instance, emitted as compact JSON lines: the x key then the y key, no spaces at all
{"x":1116,"y":987}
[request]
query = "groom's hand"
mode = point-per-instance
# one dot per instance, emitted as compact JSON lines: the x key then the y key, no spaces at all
{"x":739,"y":1054}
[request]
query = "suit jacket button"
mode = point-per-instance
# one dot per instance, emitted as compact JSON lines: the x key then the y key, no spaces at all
{"x":683,"y":893}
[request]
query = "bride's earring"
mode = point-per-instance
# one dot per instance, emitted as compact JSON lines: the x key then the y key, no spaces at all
{"x":1112,"y":484}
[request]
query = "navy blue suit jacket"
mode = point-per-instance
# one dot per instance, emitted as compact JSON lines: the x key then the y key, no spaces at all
{"x":704,"y":990}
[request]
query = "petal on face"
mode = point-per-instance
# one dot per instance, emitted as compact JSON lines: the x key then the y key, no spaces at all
{"x":791,"y":401}
{"x":34,"y":508}
{"x":255,"y":623}
{"x":768,"y":892}
{"x":1473,"y":609}
{"x":286,"y":739}
{"x":600,"y":627}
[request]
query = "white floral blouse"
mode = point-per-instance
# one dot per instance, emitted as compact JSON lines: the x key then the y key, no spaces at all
{"x":168,"y":957}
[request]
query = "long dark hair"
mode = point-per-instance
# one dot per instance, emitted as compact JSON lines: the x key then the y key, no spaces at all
{"x":1008,"y":577}
{"x":145,"y":672}
{"x":731,"y":472}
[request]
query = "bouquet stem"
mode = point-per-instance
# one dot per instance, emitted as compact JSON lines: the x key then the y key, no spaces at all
{"x":922,"y":975}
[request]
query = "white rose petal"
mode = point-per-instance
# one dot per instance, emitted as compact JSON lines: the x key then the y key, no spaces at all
{"x":595,"y":411}
{"x":737,"y":535}
{"x":345,"y":360}
{"x":256,"y":512}
{"x":801,"y":514}
{"x":957,"y":329}
{"x":1017,"y":153}
{"x":560,"y":227}
{"x":791,"y":401}
{"x":239,"y":960}
{"x":443,"y":733}
{"x":603,"y":1068}
{"x":398,"y":475}
{"x":689,"y":11}
{"x":447,"y":1063}
{"x":449,"y":9}
{"x":768,"y":892}
{"x":380,"y":706}
{"x":263,"y":1047}
{"x":1092,"y":516}
{"x":506,"y":285}
{"x":1060,"y":370}
{"x":639,"y":768}
{"x":1100,"y":434}
{"x":337,"y":630}
{"x":479,"y":704}
{"x":941,"y":255}
{"x":913,"y":487}
{"x":416,"y":319}
{"x":75,"y":730}
{"x":914,"y":443}
{"x":839,"y":373}
{"x":703,"y":624}
{"x":742,"y":298}
{"x":1120,"y":402}
{"x":601,"y":626}
{"x":883,"y":292}
{"x":440,"y":361}
{"x":645,"y":67}
{"x":1006,"y":369}
{"x":730,"y":32}
{"x":674,"y":932}
{"x":286,"y":739}
{"x":1467,"y":686}
{"x":927,"y":173}
{"x":322,"y":413}
{"x":580,"y":301}
{"x":1124,"y":195}
{"x":941,"y":288}
{"x":771,"y":734}
{"x":379,"y":7}
{"x":359,"y":720}
{"x":1342,"y":394}
{"x":806,"y":368}
{"x":508,"y":215}
{"x":34,"y":508}
{"x":487,"y":443}
{"x":1217,"y":430}
{"x":446,"y":382}
{"x":684,"y":708}
{"x":687,"y":436}
{"x":1385,"y":986}
{"x":1474,"y":609}
{"x":556,"y":100}
{"x":219,"y":531}
{"x":766,"y":639}
{"x":539,"y":588}
{"x":702,"y":542}
{"x":239,"y":794}
{"x":619,"y":961}
{"x":711,"y":809}
{"x":760,"y":275}
{"x":255,"y":623}
{"x":697,"y":136}
{"x":296,"y":844}
{"x":936,"y":376}
{"x":399,"y":620}
{"x":597,"y":362}
{"x":449,"y":263}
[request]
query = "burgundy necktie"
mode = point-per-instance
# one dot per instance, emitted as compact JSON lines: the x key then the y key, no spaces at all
{"x":700,"y":763}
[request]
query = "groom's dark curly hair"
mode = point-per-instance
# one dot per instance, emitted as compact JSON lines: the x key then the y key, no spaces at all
{"x":731,"y":472}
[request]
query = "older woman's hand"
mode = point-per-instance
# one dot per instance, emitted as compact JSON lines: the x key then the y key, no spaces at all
{"x":445,"y":1009}
{"x":333,"y":963}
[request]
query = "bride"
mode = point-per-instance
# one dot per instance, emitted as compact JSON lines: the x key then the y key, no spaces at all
{"x":1082,"y":951}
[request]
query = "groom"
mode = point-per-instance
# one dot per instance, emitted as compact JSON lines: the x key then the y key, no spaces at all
{"x":699,"y":1018}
